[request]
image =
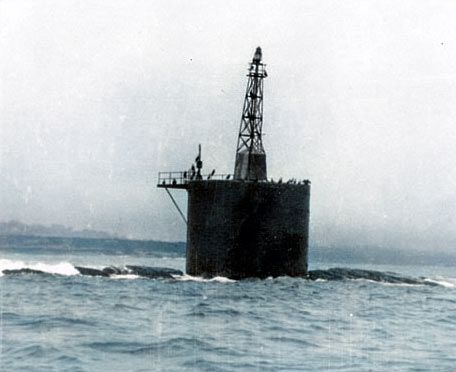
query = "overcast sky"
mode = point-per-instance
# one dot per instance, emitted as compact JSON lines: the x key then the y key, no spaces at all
{"x":97,"y":97}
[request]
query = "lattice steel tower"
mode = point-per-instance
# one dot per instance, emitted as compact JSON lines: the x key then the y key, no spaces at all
{"x":250,"y":155}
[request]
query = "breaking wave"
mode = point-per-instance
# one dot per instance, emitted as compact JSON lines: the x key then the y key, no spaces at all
{"x":18,"y":267}
{"x":371,"y":275}
{"x":65,"y":268}
{"x":137,"y":271}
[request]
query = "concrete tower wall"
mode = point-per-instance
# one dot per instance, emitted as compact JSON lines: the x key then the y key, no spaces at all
{"x":247,"y":229}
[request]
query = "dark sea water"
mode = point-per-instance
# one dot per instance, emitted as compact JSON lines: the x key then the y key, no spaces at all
{"x":97,"y":305}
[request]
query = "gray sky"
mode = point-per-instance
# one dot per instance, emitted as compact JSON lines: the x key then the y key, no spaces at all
{"x":97,"y":97}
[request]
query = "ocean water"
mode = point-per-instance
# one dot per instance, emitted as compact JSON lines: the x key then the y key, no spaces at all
{"x":61,"y":312}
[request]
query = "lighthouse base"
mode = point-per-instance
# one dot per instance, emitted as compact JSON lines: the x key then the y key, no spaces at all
{"x":247,"y":229}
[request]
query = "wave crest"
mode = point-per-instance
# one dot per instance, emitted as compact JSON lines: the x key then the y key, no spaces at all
{"x":338,"y":273}
{"x":8,"y":267}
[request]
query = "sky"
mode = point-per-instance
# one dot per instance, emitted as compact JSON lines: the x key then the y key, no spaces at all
{"x":97,"y":98}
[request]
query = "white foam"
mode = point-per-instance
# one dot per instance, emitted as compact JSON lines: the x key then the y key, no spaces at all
{"x":219,"y":279}
{"x":124,"y":276}
{"x":447,"y":282}
{"x":61,"y":268}
{"x":10,"y":265}
{"x":222,"y":279}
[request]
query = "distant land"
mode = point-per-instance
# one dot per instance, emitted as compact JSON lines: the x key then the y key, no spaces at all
{"x":13,"y":230}
{"x":382,"y":255}
{"x":55,"y":230}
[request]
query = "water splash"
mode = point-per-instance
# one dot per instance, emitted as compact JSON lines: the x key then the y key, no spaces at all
{"x":138,"y":271}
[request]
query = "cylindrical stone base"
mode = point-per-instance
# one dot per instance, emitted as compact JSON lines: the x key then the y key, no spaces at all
{"x":247,"y":229}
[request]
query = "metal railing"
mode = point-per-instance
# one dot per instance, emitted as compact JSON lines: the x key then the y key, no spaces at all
{"x":180,"y":179}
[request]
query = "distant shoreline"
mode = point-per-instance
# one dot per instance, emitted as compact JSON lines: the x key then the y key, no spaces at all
{"x":109,"y":245}
{"x":340,"y":255}
{"x":22,"y":229}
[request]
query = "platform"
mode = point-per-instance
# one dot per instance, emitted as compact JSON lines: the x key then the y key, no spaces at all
{"x":180,"y":179}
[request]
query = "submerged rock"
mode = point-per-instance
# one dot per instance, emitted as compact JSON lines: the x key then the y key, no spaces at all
{"x":90,"y":272}
{"x":22,"y":271}
{"x":153,"y":272}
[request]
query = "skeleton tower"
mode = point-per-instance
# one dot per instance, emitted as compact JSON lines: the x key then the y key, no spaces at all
{"x":250,"y":155}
